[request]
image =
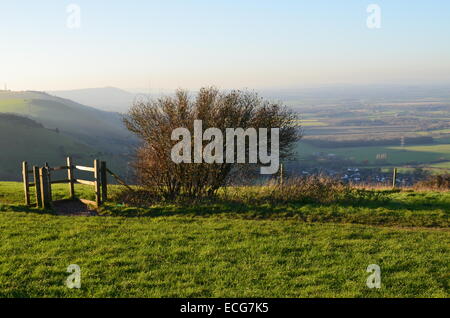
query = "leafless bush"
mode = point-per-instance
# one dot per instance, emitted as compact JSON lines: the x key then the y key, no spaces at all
{"x":154,"y":121}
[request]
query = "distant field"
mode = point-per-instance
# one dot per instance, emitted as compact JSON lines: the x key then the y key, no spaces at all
{"x":14,"y":105}
{"x":395,"y":155}
{"x":383,"y":119}
{"x":441,"y":149}
{"x":442,"y":165}
{"x":311,"y":123}
{"x":442,"y":131}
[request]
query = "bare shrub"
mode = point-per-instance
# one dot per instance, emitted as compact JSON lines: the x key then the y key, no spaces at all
{"x":154,"y":121}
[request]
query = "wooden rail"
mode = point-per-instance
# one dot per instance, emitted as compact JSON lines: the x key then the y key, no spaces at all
{"x":43,"y":182}
{"x":82,"y":168}
{"x":119,"y":179}
{"x":85,"y":182}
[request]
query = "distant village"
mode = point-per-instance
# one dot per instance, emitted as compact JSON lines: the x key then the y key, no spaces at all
{"x":348,"y":172}
{"x":362,"y":175}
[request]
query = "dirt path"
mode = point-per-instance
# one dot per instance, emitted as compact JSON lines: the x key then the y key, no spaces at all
{"x":73,"y":208}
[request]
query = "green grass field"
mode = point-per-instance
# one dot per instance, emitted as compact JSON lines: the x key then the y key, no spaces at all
{"x":224,"y":250}
{"x":442,"y":166}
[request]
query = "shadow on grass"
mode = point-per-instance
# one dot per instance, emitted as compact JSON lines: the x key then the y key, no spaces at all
{"x":23,"y":209}
{"x":417,"y":213}
{"x":372,"y":213}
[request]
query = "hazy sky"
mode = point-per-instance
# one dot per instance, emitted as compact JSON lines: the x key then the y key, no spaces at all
{"x":228,"y":43}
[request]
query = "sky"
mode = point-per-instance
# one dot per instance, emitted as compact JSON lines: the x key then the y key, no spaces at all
{"x":256,"y":44}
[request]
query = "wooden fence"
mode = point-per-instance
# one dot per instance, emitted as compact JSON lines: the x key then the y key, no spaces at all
{"x":42,"y":182}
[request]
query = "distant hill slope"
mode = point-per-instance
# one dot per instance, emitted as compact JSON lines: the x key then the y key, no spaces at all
{"x":61,"y":127}
{"x":105,"y":98}
{"x":91,"y":126}
{"x":22,"y":139}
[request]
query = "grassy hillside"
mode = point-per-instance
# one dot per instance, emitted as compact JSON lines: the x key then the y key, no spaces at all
{"x":37,"y":145}
{"x":93,"y":127}
{"x":224,"y":250}
{"x":68,"y":129}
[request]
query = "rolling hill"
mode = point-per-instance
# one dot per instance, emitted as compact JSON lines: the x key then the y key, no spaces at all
{"x":56,"y":128}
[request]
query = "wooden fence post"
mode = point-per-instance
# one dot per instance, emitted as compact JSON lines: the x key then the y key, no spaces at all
{"x":26,"y":184}
{"x":71,"y":178}
{"x":37,"y":186}
{"x":45,"y":194}
{"x":98,"y":200}
{"x":104,"y":181}
{"x":49,"y":180}
{"x":394,"y":178}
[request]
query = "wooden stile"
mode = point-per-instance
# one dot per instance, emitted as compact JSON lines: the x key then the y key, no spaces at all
{"x":43,"y":182}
